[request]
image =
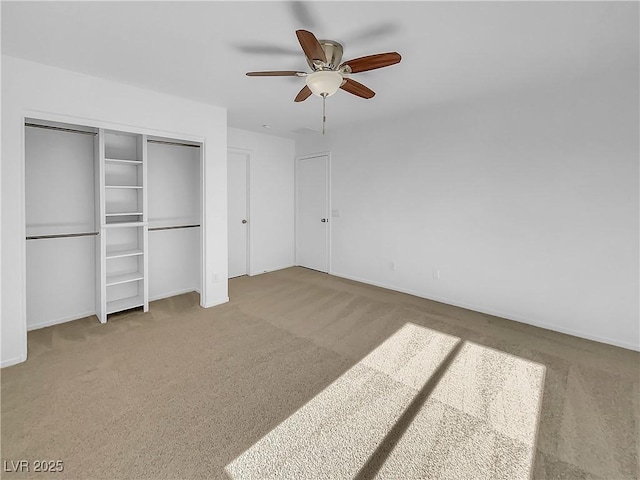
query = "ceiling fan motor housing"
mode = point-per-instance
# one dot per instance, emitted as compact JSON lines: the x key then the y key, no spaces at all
{"x":333,"y":51}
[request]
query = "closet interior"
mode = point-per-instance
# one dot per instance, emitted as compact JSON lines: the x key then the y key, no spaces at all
{"x":113,"y":221}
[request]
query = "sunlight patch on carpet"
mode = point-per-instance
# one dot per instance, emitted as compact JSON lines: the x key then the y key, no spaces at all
{"x":480,"y":420}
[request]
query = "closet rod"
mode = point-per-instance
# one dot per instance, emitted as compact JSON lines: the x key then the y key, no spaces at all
{"x":63,"y":235}
{"x":172,"y":228}
{"x":164,"y":142}
{"x":49,"y":127}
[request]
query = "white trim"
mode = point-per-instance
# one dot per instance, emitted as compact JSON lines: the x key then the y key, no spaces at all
{"x":329,"y":205}
{"x":23,"y":235}
{"x":57,"y":321}
{"x":272,"y":269}
{"x":203,"y":234}
{"x":144,"y":150}
{"x":173,"y":294}
{"x":13,"y":361}
{"x":329,"y":212}
{"x":218,"y":302}
{"x":79,"y":316}
{"x":91,"y":122}
{"x":496,"y":313}
{"x":248,"y":210}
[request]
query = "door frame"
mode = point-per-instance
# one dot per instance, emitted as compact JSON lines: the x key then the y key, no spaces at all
{"x":247,"y":154}
{"x":295,"y":207}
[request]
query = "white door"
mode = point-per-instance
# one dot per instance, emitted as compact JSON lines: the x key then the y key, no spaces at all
{"x":312,"y":212}
{"x":237,"y":212}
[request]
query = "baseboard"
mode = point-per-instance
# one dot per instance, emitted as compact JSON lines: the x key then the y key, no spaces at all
{"x":173,"y":294}
{"x":216,"y":303}
{"x":13,"y":361}
{"x":57,"y":321}
{"x":271,"y":269}
{"x":496,"y":313}
{"x":50,"y":323}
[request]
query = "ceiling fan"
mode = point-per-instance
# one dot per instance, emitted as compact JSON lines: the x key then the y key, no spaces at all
{"x":328,"y":73}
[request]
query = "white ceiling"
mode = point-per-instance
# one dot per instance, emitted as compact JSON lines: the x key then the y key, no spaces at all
{"x":201,"y":50}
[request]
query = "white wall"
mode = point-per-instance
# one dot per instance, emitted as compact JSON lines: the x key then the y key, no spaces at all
{"x":31,"y":89}
{"x":271,"y":207}
{"x":526,"y":202}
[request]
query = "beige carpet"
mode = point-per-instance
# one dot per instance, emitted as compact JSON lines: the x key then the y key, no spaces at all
{"x":180,"y":392}
{"x":436,"y":407}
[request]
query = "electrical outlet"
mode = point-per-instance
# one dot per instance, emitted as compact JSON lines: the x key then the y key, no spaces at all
{"x":436,"y":273}
{"x":392,"y":266}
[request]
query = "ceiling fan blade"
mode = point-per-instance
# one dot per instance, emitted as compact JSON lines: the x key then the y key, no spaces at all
{"x":283,"y":73}
{"x":303,"y":94}
{"x":311,"y":47}
{"x":357,"y":89}
{"x":371,"y":62}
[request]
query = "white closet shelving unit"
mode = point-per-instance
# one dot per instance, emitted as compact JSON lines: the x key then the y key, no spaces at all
{"x":92,"y":195}
{"x":123,"y":270}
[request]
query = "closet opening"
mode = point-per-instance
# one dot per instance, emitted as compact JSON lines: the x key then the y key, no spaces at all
{"x":175,"y":217}
{"x":60,"y":222}
{"x":113,"y":220}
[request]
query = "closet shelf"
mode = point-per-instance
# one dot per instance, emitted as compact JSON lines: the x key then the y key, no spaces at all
{"x":123,"y":162}
{"x":124,"y":253}
{"x":124,"y":278}
{"x":123,"y":214}
{"x":125,"y":304}
{"x":124,"y":224}
{"x":123,"y":186}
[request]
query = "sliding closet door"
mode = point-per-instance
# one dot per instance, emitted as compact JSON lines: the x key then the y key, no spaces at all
{"x":59,"y":198}
{"x":174,"y":203}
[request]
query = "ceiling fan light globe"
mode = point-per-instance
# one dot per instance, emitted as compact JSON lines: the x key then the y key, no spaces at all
{"x":324,"y":83}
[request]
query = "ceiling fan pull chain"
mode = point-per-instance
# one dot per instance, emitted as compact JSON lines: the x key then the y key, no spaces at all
{"x":324,"y":111}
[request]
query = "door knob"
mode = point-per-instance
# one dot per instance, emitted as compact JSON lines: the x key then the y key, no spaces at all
{"x":323,"y":220}
{"x":244,"y":221}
